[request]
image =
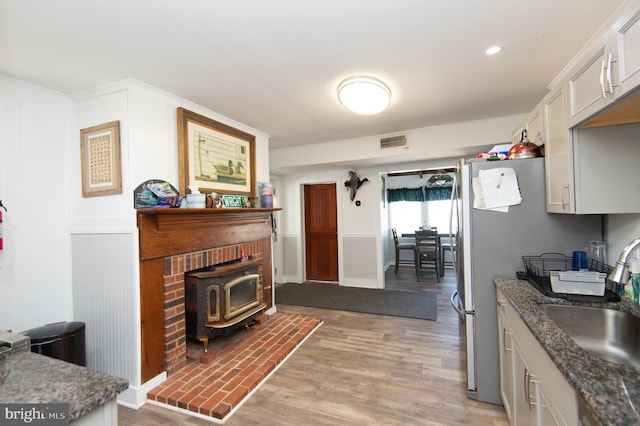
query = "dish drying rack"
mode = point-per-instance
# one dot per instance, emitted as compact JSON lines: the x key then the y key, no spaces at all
{"x":538,"y":270}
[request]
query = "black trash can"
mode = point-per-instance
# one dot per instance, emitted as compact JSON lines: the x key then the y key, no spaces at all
{"x":61,"y":340}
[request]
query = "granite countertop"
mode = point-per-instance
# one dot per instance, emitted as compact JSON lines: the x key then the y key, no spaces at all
{"x":30,"y":378}
{"x":611,"y":391}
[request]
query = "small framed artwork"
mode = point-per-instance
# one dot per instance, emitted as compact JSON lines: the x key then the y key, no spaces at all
{"x":214,"y":157}
{"x":100,"y":160}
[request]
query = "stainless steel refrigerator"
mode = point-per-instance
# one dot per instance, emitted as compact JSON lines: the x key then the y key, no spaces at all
{"x":491,"y":243}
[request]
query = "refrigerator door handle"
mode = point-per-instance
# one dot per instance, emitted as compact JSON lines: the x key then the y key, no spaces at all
{"x":454,"y":202}
{"x":454,"y":304}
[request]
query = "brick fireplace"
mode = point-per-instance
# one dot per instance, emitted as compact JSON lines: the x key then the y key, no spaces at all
{"x":175,"y":241}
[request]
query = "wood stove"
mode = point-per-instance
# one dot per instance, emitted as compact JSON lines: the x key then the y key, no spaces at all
{"x":221,"y":298}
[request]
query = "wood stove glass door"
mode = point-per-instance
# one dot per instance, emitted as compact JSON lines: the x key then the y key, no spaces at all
{"x":242,"y":293}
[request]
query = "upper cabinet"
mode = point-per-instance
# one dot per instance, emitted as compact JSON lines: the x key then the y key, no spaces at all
{"x":608,"y":70}
{"x":534,"y":125}
{"x":589,"y":170}
{"x":626,"y":36}
{"x":591,"y":124}
{"x":588,"y":84}
{"x":558,"y":154}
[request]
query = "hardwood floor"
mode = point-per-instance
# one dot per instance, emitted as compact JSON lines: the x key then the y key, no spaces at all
{"x":362,"y":369}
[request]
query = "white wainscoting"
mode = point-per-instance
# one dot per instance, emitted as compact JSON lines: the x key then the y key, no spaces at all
{"x":106,"y":298}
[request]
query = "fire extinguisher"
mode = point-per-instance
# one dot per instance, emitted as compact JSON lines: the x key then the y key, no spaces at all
{"x":5,"y":209}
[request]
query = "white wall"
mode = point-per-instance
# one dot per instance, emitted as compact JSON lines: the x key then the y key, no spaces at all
{"x":446,"y":141}
{"x":363,"y":232}
{"x":620,"y":229}
{"x":72,"y":258}
{"x":105,"y":236}
{"x":35,"y":279}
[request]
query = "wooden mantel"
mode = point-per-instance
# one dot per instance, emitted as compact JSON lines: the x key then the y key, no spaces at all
{"x":166,"y":232}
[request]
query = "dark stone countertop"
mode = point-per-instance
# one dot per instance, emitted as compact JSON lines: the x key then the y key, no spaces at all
{"x":611,"y":391}
{"x":30,"y":378}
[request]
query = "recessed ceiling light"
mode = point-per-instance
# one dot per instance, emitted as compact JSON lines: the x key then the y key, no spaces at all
{"x":493,"y":50}
{"x":364,"y":95}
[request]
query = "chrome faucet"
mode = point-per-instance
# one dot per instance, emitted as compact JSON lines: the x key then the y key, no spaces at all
{"x":620,"y":273}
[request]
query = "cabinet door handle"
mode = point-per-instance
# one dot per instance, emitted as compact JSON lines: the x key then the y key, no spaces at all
{"x":528,"y":378}
{"x":602,"y":87}
{"x":532,"y":398}
{"x":610,"y":62}
{"x":564,"y":188}
{"x":525,"y":382}
{"x":609,"y":74}
{"x":505,"y":333}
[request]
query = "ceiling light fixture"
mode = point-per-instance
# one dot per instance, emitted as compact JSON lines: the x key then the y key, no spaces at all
{"x":493,"y":50}
{"x":364,"y":95}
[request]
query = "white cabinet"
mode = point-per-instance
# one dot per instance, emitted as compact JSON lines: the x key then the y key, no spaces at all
{"x":609,"y":70}
{"x":534,"y":391}
{"x":506,"y":357}
{"x":516,"y":135}
{"x":589,"y":83}
{"x":625,"y":34}
{"x":534,"y":125}
{"x":524,"y":399}
{"x":589,"y":170}
{"x":600,"y":91}
{"x":546,"y":413}
{"x":558,"y":154}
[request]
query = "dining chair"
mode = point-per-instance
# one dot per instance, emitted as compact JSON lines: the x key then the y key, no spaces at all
{"x":400,"y":247}
{"x":447,"y":244}
{"x":427,"y":252}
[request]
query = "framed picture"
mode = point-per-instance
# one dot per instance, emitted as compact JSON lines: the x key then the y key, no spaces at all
{"x":214,"y":157}
{"x":100,"y":160}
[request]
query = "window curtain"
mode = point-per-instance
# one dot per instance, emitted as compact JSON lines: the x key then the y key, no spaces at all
{"x":437,"y":194}
{"x":405,"y":194}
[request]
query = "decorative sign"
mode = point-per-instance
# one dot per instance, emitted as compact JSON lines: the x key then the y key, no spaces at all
{"x":234,"y":201}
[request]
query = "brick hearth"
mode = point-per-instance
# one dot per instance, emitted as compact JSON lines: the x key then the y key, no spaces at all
{"x":215,"y":389}
{"x":174,"y":310}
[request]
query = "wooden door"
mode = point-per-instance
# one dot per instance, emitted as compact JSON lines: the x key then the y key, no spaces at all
{"x":321,"y":232}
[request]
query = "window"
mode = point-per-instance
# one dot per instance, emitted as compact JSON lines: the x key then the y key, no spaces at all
{"x":438,"y":213}
{"x":405,"y":216}
{"x":409,"y":216}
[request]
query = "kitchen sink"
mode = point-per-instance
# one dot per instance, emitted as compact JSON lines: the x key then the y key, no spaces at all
{"x":606,"y":333}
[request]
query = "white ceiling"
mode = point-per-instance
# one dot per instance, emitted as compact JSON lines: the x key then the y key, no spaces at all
{"x":275,"y":64}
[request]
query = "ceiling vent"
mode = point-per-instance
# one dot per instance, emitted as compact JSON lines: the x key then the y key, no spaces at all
{"x":393,"y":142}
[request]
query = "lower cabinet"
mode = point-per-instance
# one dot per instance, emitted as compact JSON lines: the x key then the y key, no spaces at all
{"x":524,"y":409}
{"x":534,"y":391}
{"x":506,"y":358}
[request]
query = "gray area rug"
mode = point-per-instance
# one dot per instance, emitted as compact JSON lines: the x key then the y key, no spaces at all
{"x":406,"y":304}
